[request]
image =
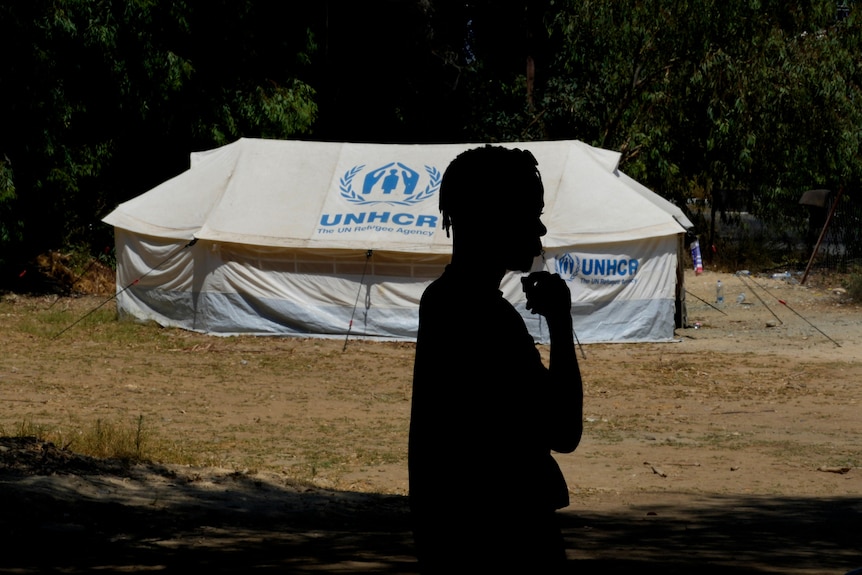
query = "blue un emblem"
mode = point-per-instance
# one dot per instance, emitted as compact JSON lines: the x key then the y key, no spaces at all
{"x":568,"y":266}
{"x":394,"y":184}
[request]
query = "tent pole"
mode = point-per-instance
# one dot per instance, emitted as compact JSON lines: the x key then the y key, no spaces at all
{"x":356,"y":302}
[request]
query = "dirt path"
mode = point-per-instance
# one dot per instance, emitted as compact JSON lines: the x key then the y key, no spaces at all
{"x":737,"y":449}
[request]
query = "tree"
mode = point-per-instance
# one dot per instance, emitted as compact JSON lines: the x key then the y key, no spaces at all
{"x":106,"y":98}
{"x":745,"y":104}
{"x":741,"y":103}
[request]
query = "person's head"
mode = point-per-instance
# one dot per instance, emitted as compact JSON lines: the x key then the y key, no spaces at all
{"x":496,"y":193}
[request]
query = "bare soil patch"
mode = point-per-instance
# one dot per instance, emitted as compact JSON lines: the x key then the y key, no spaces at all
{"x":736,"y":449}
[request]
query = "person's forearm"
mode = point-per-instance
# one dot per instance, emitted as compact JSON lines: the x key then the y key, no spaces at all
{"x":568,"y":393}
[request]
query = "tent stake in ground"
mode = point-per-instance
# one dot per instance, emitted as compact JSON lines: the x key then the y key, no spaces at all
{"x":742,"y":279}
{"x":784,"y":303}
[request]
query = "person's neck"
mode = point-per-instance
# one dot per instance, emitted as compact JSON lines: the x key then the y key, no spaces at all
{"x":480,"y":270}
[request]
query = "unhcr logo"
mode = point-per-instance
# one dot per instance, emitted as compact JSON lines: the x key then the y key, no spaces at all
{"x":597,"y":270}
{"x":382,"y":191}
{"x":393,"y":184}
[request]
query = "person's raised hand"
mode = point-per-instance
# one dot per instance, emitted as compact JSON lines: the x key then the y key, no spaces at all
{"x":547,"y":294}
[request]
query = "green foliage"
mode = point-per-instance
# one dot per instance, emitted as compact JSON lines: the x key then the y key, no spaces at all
{"x":267,"y":112}
{"x":107,"y":98}
{"x":741,"y":104}
{"x":853,"y":284}
{"x":10,"y":226}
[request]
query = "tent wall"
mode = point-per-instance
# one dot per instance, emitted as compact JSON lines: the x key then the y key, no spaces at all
{"x":680,"y":316}
{"x":155,"y":279}
{"x":621,"y":292}
{"x":229,"y":289}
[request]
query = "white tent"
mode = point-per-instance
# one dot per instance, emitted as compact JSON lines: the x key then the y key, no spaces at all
{"x":329,"y":239}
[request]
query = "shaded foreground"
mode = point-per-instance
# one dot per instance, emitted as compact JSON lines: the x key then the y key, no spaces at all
{"x":71,"y":514}
{"x":735,"y":449}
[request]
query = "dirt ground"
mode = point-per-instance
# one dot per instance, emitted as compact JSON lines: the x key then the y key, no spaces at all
{"x":735,"y":449}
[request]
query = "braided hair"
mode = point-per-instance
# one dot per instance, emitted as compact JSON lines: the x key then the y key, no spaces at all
{"x":488,"y":181}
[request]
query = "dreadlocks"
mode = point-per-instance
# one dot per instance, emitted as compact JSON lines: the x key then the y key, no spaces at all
{"x":474,"y":177}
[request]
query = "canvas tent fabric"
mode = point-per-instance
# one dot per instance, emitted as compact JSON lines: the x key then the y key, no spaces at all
{"x":322,"y":239}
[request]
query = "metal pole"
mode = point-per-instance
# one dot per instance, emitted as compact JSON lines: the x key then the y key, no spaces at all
{"x":822,"y":235}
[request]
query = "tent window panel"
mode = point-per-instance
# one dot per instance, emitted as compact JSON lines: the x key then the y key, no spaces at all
{"x":316,"y":268}
{"x":427,"y":271}
{"x":350,"y":268}
{"x":395,"y":270}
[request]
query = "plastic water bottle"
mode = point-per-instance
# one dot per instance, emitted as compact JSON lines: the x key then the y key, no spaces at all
{"x":719,"y":293}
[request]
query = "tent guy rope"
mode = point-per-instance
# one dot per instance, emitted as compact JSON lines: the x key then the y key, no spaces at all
{"x":784,"y":303}
{"x":706,"y":302}
{"x":129,"y":285}
{"x":356,"y":302}
{"x":742,"y":279}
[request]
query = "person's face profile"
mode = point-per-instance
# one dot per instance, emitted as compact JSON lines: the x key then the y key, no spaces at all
{"x":522,"y":238}
{"x":512,"y":218}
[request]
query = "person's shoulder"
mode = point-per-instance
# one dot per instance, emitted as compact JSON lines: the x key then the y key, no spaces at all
{"x":439,"y":290}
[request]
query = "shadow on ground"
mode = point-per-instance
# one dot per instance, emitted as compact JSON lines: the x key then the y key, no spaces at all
{"x":727,"y":534}
{"x":65,"y":513}
{"x":338,"y":532}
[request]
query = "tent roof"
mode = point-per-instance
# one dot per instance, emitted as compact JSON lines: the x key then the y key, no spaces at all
{"x":303,"y":194}
{"x":816,"y":198}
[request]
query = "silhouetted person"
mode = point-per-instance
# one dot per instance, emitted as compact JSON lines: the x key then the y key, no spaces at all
{"x":486,"y":411}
